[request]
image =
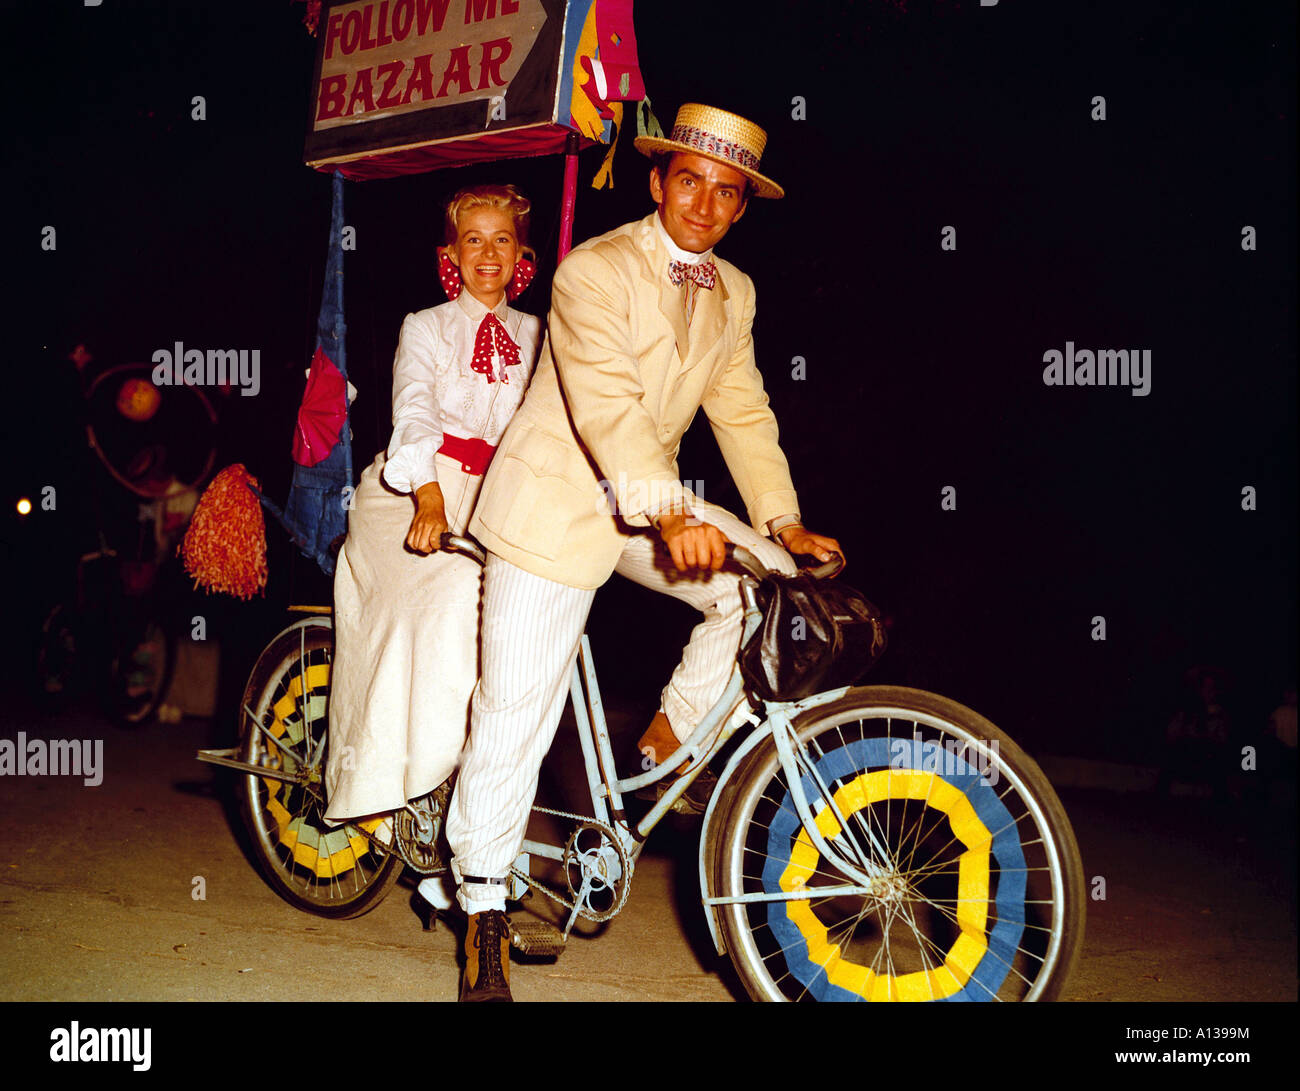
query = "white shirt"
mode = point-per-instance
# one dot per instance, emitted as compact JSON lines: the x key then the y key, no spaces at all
{"x":435,"y":391}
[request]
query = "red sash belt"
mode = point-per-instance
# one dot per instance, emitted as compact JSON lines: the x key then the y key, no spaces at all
{"x":473,"y":454}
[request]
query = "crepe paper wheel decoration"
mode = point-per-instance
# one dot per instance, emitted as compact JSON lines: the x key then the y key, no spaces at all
{"x":224,"y":549}
{"x":981,"y":842}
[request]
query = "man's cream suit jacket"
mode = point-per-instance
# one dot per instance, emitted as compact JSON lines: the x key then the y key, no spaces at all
{"x":619,"y":380}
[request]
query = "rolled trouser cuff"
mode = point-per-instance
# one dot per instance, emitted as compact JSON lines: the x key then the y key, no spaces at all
{"x":478,"y":893}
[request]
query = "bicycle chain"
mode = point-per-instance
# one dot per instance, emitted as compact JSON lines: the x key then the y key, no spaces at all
{"x":612,"y":836}
{"x":608,"y":831}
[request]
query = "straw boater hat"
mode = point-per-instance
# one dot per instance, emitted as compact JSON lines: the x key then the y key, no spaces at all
{"x":715,"y":134}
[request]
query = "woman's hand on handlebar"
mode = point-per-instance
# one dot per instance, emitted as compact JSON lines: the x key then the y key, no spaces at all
{"x":429,"y":523}
{"x":692,"y":544}
{"x":799,"y":539}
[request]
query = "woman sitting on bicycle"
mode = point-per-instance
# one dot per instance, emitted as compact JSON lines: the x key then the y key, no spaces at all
{"x":406,"y":615}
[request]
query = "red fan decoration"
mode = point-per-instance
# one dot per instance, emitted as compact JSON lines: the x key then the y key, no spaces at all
{"x":224,"y":549}
{"x":322,"y":413}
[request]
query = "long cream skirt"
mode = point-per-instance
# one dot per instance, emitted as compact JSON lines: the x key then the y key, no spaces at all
{"x":405,"y":650}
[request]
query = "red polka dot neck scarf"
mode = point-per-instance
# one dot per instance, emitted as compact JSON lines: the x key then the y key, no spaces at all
{"x":493,"y":350}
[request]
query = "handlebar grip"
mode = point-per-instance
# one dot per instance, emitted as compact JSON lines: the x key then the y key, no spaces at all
{"x":751,"y":564}
{"x":826,"y":569}
{"x":746,"y":560}
{"x":464,"y":545}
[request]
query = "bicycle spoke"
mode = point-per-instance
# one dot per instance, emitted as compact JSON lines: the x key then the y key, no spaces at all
{"x":304,"y":707}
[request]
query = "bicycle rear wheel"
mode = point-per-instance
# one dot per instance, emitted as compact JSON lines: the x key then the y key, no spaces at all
{"x":979,"y":894}
{"x":332,"y":871}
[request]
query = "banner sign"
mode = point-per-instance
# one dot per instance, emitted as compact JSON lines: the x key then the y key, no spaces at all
{"x":402,"y":86}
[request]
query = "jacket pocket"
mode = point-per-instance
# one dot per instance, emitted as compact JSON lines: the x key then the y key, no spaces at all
{"x":529,"y":504}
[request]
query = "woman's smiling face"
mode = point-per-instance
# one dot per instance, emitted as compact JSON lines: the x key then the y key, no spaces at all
{"x":486,"y":251}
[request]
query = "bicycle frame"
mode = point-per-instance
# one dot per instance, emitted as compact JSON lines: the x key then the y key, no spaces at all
{"x":607,"y":788}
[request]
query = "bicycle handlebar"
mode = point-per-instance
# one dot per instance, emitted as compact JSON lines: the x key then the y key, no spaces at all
{"x":468,"y":547}
{"x":752,"y":565}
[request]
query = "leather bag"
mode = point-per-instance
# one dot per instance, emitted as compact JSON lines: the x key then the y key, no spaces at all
{"x":815,"y":635}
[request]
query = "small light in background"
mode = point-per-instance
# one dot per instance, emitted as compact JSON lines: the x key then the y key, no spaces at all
{"x":24,"y":506}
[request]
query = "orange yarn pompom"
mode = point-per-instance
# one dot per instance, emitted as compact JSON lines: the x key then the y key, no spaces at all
{"x":225,"y":546}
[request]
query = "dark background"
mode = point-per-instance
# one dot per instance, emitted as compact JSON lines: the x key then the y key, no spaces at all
{"x":924,"y":367}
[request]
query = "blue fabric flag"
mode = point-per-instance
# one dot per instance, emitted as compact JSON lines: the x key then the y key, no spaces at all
{"x":316,"y":513}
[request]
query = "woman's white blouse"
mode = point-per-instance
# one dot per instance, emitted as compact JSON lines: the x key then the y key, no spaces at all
{"x":436,"y":392}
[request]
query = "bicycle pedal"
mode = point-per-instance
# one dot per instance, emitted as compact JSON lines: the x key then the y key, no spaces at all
{"x":534,"y":937}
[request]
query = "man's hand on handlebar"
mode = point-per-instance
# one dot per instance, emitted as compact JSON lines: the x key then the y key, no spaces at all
{"x":692,"y":544}
{"x":799,"y":539}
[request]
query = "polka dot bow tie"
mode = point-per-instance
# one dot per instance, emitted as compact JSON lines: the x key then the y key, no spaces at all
{"x":704,"y":273}
{"x":493,"y":350}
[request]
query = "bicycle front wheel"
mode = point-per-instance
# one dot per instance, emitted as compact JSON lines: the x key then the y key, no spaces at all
{"x":969,"y":884}
{"x":332,"y":871}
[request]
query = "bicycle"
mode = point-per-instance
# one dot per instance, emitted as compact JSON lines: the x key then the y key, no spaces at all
{"x":110,"y":636}
{"x":869,"y":842}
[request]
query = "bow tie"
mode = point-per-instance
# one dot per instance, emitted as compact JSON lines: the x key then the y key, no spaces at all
{"x":704,"y":273}
{"x":493,"y":345}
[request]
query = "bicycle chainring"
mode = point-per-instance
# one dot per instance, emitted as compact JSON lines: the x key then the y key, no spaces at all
{"x":597,"y":870}
{"x":418,"y":831}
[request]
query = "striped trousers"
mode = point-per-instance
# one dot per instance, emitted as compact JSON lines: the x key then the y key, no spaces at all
{"x":531,"y":629}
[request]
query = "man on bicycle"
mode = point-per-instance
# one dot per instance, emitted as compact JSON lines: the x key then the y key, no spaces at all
{"x":646,"y":327}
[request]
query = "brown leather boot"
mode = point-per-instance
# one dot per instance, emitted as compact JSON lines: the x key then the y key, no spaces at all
{"x":659,"y":741}
{"x":487,"y":958}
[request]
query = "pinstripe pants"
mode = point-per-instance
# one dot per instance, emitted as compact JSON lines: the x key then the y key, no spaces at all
{"x":531,"y":630}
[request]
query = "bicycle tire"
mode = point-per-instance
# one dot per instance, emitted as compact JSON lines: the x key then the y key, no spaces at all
{"x":982,"y":897}
{"x":331,"y":871}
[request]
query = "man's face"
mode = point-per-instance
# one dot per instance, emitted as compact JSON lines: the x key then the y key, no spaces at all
{"x":698,"y":201}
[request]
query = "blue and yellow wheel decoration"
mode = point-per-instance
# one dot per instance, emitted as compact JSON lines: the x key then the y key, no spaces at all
{"x":874,"y":771}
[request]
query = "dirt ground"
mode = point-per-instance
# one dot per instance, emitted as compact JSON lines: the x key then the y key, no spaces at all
{"x":1193,"y":900}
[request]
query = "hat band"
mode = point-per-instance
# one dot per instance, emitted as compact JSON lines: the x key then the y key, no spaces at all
{"x":712,"y":144}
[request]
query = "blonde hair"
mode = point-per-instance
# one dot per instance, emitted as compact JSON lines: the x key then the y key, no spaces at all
{"x":507,"y":199}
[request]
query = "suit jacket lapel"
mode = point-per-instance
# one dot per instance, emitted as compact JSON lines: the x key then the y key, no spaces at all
{"x":672,"y":304}
{"x":672,"y":299}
